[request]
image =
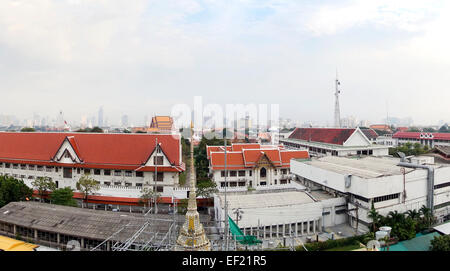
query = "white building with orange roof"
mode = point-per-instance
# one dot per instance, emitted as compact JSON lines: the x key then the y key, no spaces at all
{"x":123,"y":164}
{"x":252,"y":165}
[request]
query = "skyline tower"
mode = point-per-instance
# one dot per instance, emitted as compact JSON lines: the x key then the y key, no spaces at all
{"x":100,"y":117}
{"x":337,"y":111}
{"x":192,"y":235}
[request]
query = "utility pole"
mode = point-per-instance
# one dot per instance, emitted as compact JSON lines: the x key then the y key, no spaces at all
{"x":155,"y":161}
{"x":226,"y":203}
{"x":238,"y":212}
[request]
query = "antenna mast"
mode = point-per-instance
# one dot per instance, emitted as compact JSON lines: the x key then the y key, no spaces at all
{"x":337,"y":114}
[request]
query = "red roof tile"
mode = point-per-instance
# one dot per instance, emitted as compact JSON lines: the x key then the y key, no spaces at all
{"x":324,"y":135}
{"x":101,"y":149}
{"x":422,"y":135}
{"x":248,"y":158}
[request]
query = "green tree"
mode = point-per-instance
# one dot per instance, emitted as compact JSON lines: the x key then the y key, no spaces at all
{"x":96,"y":129}
{"x":206,"y":188}
{"x":427,"y":217}
{"x":375,"y":216}
{"x":12,"y":189}
{"x":182,"y":206}
{"x":63,"y":196}
{"x":440,"y":243}
{"x":43,"y":185}
{"x":87,"y":186}
{"x":27,"y":129}
{"x":149,"y":195}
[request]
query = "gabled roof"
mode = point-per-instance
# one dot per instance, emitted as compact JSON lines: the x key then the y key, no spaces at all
{"x":94,"y":148}
{"x":335,"y":136}
{"x":246,"y":146}
{"x":249,"y":158}
{"x":370,"y":133}
{"x":162,"y":122}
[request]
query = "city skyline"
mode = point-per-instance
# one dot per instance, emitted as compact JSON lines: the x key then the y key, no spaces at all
{"x":142,"y":57}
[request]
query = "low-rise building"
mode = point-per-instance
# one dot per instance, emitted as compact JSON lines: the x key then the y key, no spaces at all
{"x":334,"y":142}
{"x":384,"y":182}
{"x":123,"y":164}
{"x":252,"y":164}
{"x":427,"y":139}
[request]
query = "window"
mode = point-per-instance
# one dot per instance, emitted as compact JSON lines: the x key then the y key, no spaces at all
{"x":117,"y":183}
{"x":158,"y":160}
{"x":40,"y":168}
{"x":233,"y":173}
{"x":361,"y":198}
{"x":128,"y":173}
{"x":139,"y":174}
{"x":31,"y":167}
{"x":67,"y":172}
{"x":56,"y":169}
{"x":222,"y":173}
{"x":16,"y":166}
{"x":78,"y":171}
{"x":87,"y":171}
{"x":48,"y":169}
{"x":387,"y":197}
{"x":241,"y":183}
{"x":7,"y":165}
{"x":107,"y":183}
{"x":442,"y":185}
{"x":127,"y":184}
{"x":250,"y":173}
{"x":160,"y":189}
{"x":283,"y":171}
{"x":263,"y":183}
{"x":107,"y":172}
{"x":117,"y":173}
{"x":138,"y":184}
{"x":96,"y":171}
{"x":241,"y":173}
{"x":262,"y":173}
{"x":160,"y":177}
{"x":23,"y":167}
{"x":233,"y":184}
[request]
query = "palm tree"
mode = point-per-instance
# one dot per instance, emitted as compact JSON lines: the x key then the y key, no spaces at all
{"x":375,"y":216}
{"x":413,"y":214}
{"x":427,"y":215}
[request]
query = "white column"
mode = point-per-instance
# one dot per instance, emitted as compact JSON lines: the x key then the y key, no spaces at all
{"x":314,"y":226}
{"x":307,"y":227}
{"x":302,"y":228}
{"x":296,"y":229}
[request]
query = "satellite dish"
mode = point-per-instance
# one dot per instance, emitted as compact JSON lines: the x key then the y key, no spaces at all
{"x":373,"y":245}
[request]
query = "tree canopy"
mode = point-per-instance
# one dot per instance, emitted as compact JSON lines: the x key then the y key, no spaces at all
{"x":28,"y":129}
{"x":12,"y":189}
{"x":87,"y":185}
{"x":42,"y":185}
{"x":440,"y":243}
{"x":63,"y":196}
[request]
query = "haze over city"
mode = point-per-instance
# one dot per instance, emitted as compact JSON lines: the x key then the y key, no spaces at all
{"x":142,"y":57}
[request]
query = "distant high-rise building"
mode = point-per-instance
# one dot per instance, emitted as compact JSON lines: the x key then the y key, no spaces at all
{"x":124,"y":121}
{"x":100,"y":117}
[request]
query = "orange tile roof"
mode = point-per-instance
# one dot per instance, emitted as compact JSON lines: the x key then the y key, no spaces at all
{"x":248,"y":158}
{"x":113,"y":150}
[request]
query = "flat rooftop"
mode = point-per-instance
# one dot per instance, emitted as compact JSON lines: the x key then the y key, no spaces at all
{"x":264,"y":200}
{"x":85,"y":223}
{"x":367,"y":167}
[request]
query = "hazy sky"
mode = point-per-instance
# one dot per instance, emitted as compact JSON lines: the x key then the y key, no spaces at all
{"x":143,"y":56}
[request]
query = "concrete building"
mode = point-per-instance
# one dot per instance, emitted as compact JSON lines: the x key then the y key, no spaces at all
{"x":123,"y":164}
{"x":387,"y":140}
{"x":427,"y":139}
{"x":274,"y":214}
{"x":333,"y":142}
{"x":252,"y":164}
{"x":386,"y":183}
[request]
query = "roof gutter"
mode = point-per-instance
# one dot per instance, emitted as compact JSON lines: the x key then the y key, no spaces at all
{"x":430,"y":179}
